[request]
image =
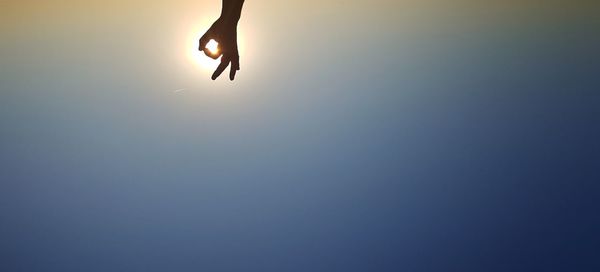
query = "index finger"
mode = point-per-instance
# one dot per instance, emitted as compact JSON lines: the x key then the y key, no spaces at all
{"x":203,"y":41}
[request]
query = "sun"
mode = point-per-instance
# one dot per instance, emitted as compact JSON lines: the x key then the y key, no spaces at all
{"x":213,"y":47}
{"x":196,"y":57}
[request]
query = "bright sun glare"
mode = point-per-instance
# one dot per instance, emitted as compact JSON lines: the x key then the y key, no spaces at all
{"x":213,"y":46}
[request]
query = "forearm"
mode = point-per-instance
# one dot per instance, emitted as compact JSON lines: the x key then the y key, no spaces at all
{"x":232,"y":10}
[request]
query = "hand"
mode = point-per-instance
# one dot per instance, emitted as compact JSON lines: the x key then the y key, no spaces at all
{"x":224,"y":33}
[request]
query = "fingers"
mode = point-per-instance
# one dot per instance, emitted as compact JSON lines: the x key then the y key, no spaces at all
{"x":235,"y":66}
{"x":224,"y":63}
{"x":232,"y":73}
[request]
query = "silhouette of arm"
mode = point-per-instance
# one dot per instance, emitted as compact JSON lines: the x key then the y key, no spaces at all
{"x":224,"y":31}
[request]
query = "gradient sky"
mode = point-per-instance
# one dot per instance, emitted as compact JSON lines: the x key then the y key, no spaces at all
{"x":358,"y":136}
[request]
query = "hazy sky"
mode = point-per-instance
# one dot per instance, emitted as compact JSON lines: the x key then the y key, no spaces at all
{"x":358,"y":136}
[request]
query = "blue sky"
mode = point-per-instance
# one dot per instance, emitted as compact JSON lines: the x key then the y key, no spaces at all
{"x":372,"y":136}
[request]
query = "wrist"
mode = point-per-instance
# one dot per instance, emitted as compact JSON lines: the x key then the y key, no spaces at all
{"x":228,"y":23}
{"x":229,"y":19}
{"x":231,"y":11}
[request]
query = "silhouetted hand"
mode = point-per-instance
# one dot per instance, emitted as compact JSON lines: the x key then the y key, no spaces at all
{"x":226,"y":35}
{"x":224,"y":32}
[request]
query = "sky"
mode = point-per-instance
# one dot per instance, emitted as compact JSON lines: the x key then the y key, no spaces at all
{"x":358,"y":136}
